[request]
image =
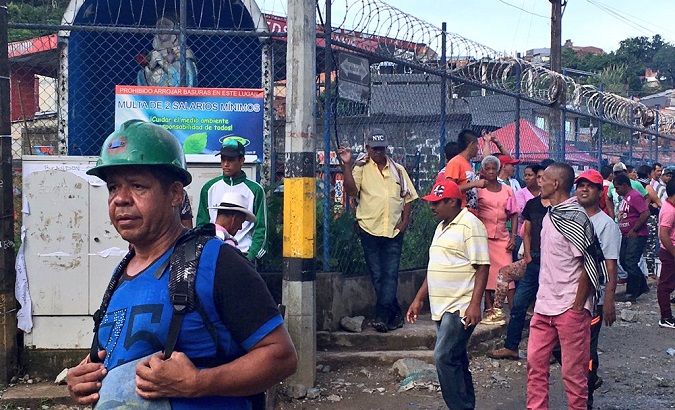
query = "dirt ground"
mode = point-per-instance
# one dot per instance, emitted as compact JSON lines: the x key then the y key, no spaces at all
{"x":637,"y":371}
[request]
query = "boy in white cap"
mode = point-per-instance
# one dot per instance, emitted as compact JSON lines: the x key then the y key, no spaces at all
{"x":232,"y":212}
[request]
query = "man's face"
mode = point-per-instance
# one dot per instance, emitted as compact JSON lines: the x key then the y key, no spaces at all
{"x":633,"y":175}
{"x":665,"y":178}
{"x":377,"y":154}
{"x":233,"y":222}
{"x":139,"y":207}
{"x":547,"y":184}
{"x":231,"y":166}
{"x":587,"y":193}
{"x":656,"y":173}
{"x":443,"y":209}
{"x":622,"y":189}
{"x":509,"y":170}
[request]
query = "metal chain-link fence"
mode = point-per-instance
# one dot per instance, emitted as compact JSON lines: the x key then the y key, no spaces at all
{"x":386,"y":69}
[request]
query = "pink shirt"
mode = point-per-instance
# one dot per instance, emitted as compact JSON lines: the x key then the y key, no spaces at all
{"x":632,"y":206}
{"x":494,"y":209}
{"x":562,"y":265}
{"x":667,"y":219}
{"x":522,"y":196}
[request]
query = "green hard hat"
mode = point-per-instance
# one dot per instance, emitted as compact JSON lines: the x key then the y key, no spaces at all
{"x":142,"y":143}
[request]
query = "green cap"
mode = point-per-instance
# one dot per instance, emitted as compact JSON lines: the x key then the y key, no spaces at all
{"x":142,"y":143}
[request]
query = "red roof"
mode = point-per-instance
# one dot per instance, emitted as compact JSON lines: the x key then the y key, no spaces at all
{"x":534,"y":144}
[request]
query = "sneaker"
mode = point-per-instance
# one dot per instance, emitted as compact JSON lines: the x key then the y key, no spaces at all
{"x":668,"y":323}
{"x":396,"y":323}
{"x":380,"y":325}
{"x":494,"y":317}
{"x":504,"y":353}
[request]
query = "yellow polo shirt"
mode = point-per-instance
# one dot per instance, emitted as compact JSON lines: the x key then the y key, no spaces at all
{"x":380,"y":203}
{"x":453,"y":252}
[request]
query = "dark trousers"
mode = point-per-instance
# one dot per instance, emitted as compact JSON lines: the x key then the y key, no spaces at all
{"x":382,"y":257}
{"x":452,"y":362}
{"x":631,"y":251}
{"x":526,"y":292}
{"x":666,"y":283}
{"x":596,"y":325}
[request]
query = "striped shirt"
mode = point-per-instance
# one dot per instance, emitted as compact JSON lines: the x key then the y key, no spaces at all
{"x":453,"y":252}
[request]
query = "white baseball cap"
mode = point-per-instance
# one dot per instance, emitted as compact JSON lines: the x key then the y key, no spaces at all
{"x":234,"y":201}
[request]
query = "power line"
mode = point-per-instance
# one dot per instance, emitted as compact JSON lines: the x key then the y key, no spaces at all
{"x":636,"y":18}
{"x":621,"y":18}
{"x":522,"y":9}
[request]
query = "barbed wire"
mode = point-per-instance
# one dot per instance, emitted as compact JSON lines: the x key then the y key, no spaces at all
{"x":419,"y":42}
{"x":381,"y":29}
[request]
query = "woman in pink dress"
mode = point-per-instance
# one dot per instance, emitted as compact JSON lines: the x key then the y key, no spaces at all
{"x":496,"y":204}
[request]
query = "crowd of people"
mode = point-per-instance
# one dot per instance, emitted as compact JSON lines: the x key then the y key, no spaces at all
{"x":557,"y":246}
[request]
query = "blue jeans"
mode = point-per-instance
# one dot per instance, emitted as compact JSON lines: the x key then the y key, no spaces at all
{"x":629,"y":256}
{"x":526,"y":293}
{"x":452,"y":362}
{"x":382,"y":257}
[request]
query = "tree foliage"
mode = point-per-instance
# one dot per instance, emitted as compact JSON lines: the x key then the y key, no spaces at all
{"x":622,"y":71}
{"x":34,"y":12}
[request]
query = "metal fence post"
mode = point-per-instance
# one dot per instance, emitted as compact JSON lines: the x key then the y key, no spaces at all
{"x":328,"y":31}
{"x":268,"y":167}
{"x":563,"y":125}
{"x":601,"y":109}
{"x":8,"y":348}
{"x":630,"y":136}
{"x":656,"y":123}
{"x":183,"y":43}
{"x":519,"y":79}
{"x":444,"y":91}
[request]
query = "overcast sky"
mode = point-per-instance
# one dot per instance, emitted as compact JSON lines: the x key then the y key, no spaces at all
{"x":498,"y":25}
{"x":519,"y":25}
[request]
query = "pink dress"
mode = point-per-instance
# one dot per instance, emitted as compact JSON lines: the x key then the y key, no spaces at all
{"x":494,"y":208}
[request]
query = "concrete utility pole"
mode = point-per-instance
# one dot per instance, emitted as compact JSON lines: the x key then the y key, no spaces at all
{"x":8,"y":352}
{"x":555,"y":120}
{"x":298,"y":289}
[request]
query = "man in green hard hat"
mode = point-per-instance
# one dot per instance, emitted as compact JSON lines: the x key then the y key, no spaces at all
{"x":231,"y":346}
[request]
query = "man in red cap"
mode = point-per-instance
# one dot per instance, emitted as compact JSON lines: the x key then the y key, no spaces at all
{"x":456,"y":277}
{"x":589,"y":190}
{"x":507,"y":171}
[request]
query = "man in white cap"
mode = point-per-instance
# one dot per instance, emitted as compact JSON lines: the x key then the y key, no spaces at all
{"x":232,"y":212}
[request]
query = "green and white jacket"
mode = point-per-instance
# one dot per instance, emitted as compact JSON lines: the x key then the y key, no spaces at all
{"x":252,"y":237}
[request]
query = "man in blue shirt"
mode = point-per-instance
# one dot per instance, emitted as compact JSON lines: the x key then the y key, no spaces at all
{"x":231,"y":346}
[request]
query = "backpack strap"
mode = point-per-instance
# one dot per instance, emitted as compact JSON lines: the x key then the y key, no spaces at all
{"x":183,"y":273}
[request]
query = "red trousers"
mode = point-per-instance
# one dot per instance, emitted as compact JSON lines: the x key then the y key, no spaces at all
{"x":572,"y":329}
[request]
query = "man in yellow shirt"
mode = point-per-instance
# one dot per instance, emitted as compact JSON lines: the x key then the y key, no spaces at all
{"x":385,"y":193}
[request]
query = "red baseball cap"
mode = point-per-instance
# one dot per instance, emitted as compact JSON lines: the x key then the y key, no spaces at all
{"x":590,"y":175}
{"x":505,"y":159}
{"x":442,"y":190}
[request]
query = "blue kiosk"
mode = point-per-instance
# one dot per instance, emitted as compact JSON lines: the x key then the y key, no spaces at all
{"x":130,"y":53}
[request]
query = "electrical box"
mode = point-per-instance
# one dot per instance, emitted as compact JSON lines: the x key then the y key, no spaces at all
{"x":70,"y":246}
